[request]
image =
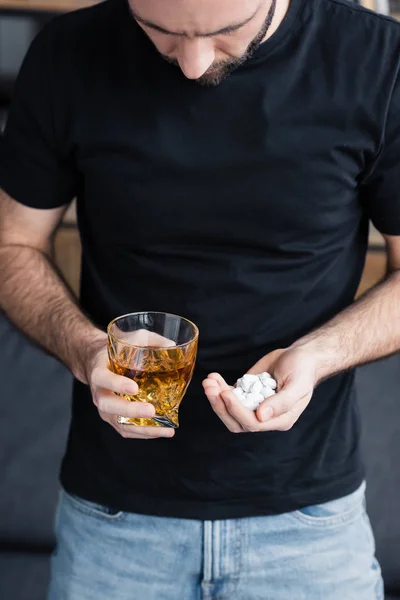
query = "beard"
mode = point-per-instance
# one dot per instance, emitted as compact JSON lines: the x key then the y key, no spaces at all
{"x":219,"y":70}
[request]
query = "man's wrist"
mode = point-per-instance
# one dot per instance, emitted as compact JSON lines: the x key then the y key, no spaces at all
{"x":325,"y":357}
{"x":89,"y":346}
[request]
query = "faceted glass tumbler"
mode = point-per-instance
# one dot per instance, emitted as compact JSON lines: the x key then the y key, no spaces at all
{"x":157,"y":350}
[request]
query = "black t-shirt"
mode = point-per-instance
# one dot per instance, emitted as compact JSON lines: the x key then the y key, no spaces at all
{"x":243,"y":207}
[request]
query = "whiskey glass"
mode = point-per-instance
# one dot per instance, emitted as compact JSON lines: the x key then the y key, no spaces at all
{"x":157,"y":350}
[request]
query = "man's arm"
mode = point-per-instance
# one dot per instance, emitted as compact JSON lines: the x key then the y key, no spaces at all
{"x":33,"y":294}
{"x":36,"y":299}
{"x":366,"y":331}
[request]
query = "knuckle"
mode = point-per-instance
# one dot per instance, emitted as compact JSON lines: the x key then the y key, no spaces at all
{"x":95,"y":375}
{"x":97,"y":397}
{"x":100,"y":403}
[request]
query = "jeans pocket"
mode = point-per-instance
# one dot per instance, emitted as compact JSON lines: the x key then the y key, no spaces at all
{"x":93,"y":509}
{"x":335,"y":512}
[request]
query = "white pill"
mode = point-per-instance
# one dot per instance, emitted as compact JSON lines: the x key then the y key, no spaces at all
{"x":246,"y":403}
{"x":265,"y":375}
{"x":246,"y":386}
{"x":268,"y":380}
{"x":256,"y":387}
{"x":247,"y":381}
{"x":254,"y":400}
{"x":271,"y":383}
{"x":250,"y":377}
{"x":238,"y":392}
{"x":267,"y":392}
{"x":250,"y":405}
{"x":255,"y":396}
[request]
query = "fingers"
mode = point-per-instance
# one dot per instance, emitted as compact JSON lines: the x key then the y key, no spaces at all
{"x":279,"y":404}
{"x":213,"y":386}
{"x":145,"y":433}
{"x":280,"y":412}
{"x":285,"y":421}
{"x":226,"y":405}
{"x":131,"y":431}
{"x":292,"y":392}
{"x":277,"y":413}
{"x":110,"y":404}
{"x":220,"y":381}
{"x":252,"y":422}
{"x":102,"y":377}
{"x":242,"y":415}
{"x":105,"y":385}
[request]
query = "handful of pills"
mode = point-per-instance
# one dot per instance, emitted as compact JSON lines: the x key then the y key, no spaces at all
{"x":254,"y":389}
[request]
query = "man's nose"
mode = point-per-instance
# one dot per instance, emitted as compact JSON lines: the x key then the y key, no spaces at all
{"x":195,"y":57}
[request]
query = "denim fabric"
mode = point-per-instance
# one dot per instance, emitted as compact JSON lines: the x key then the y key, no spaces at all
{"x":323,"y":552}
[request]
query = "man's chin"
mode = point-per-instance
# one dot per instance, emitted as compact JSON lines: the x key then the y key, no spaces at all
{"x":216,"y":76}
{"x":211,"y":79}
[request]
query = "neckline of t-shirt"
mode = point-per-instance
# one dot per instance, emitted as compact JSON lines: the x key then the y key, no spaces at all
{"x":287,"y":24}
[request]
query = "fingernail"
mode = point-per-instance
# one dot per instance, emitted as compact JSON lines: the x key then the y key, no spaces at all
{"x":267,"y":413}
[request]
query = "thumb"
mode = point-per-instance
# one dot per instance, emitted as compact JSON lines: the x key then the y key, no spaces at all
{"x":105,"y":378}
{"x":279,"y":404}
{"x":292,"y":398}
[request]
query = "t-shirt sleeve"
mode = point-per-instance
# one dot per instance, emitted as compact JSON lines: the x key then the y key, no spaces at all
{"x":36,"y":165}
{"x":380,"y":191}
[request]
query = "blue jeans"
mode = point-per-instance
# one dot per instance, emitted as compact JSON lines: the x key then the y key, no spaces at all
{"x":323,"y":552}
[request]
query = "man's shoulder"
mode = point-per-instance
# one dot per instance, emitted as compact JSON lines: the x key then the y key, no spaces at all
{"x":79,"y":39}
{"x":358,"y":37}
{"x":82,"y":25}
{"x":94,"y":14}
{"x":350,"y":9}
{"x":356,"y":18}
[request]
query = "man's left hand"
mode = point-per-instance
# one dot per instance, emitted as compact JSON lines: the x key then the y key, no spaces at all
{"x":295,"y":370}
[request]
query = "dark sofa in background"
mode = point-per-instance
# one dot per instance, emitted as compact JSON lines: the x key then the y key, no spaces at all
{"x":35,"y":408}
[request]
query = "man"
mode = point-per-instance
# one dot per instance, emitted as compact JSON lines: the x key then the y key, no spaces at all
{"x":226,"y":156}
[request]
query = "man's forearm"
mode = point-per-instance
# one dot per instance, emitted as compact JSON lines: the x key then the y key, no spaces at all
{"x":36,"y":299}
{"x":367,"y":330}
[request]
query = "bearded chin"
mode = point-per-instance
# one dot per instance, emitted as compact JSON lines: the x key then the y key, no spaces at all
{"x":219,"y":71}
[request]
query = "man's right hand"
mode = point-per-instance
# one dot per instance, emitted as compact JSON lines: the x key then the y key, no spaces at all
{"x":104,"y":384}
